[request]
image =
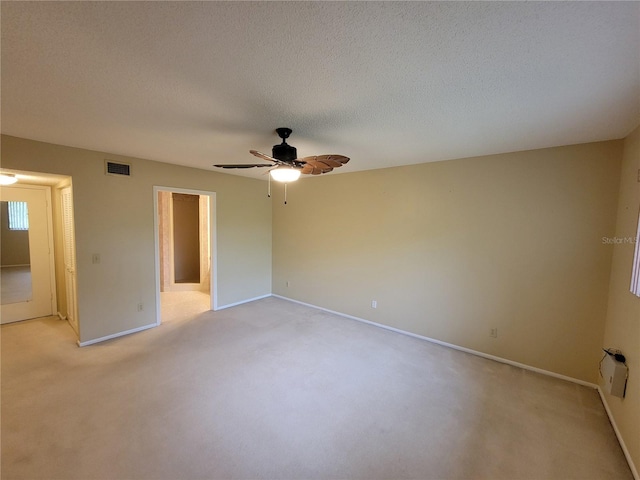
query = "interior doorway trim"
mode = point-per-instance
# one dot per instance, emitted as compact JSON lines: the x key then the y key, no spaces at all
{"x":213,"y":284}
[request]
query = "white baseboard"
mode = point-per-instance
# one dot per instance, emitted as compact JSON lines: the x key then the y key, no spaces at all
{"x":229,"y":305}
{"x":116,"y":335}
{"x":625,"y":450}
{"x":449,"y":345}
{"x":146,"y":327}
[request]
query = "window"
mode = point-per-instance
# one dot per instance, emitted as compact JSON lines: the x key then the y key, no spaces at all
{"x":635,"y":275}
{"x":18,"y":216}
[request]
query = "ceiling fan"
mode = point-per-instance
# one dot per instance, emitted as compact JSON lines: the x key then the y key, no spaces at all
{"x":285,"y":164}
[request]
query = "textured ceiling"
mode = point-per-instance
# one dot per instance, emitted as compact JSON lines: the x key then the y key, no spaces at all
{"x":391,"y":83}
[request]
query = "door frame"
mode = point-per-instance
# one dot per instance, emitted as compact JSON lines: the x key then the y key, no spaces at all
{"x":213,"y":283}
{"x":172,"y":285}
{"x":50,"y":234}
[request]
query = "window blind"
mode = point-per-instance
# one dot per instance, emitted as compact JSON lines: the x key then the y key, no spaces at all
{"x":18,"y":216}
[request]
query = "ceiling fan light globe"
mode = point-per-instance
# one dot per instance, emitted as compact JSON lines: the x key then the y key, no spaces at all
{"x":285,"y":174}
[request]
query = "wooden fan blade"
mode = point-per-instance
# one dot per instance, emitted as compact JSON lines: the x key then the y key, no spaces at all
{"x":314,"y":169}
{"x":262,"y":156}
{"x":244,"y":165}
{"x":333,"y":161}
{"x":319,"y":166}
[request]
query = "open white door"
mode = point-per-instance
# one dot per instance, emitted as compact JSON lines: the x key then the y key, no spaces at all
{"x":27,"y":253}
{"x":68,"y":239}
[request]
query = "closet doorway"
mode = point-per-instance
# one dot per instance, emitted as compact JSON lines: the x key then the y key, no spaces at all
{"x":185,"y":246}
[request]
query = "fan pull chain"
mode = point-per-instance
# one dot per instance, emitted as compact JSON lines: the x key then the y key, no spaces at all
{"x":285,"y":193}
{"x":269,"y":191}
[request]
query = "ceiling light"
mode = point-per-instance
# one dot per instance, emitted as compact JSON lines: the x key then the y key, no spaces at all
{"x":285,"y":174}
{"x":7,"y":179}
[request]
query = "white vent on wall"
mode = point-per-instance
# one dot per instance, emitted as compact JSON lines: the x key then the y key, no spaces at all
{"x":113,"y":168}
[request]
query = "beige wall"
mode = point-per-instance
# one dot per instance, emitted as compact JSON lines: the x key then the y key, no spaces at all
{"x":452,"y":249}
{"x":114,"y":217}
{"x":622,"y":330}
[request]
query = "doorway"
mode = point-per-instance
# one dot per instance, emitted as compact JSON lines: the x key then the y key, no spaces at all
{"x":27,"y":264}
{"x":185,"y":253}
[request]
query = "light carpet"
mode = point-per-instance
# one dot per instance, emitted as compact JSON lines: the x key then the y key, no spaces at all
{"x":276,"y":390}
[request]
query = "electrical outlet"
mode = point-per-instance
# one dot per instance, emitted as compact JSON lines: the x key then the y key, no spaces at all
{"x":374,"y":304}
{"x":494,"y":333}
{"x":140,"y":307}
{"x":95,"y":258}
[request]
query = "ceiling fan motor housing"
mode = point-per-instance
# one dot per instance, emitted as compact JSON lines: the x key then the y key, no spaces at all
{"x":284,"y":152}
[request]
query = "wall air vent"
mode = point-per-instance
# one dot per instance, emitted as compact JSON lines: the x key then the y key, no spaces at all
{"x":113,"y":168}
